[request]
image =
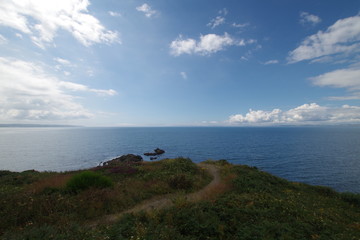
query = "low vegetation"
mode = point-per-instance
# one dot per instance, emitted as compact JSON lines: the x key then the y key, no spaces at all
{"x":86,"y":180}
{"x":251,"y":205}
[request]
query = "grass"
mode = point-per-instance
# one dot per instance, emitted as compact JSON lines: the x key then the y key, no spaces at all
{"x":32,"y":200}
{"x":257,"y":206}
{"x":86,"y":180}
{"x":249,"y":204}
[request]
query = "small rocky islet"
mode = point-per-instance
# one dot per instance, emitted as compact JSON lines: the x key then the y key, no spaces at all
{"x":132,"y":158}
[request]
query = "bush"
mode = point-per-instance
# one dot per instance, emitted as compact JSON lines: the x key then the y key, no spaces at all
{"x":87,"y":179}
{"x":221,"y":162}
{"x":180,"y":165}
{"x":180,"y":181}
{"x":352,"y":198}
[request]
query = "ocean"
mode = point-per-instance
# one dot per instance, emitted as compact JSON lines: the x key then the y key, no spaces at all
{"x":327,"y":156}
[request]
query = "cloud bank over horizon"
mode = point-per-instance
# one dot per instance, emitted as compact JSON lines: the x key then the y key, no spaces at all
{"x":305,"y":114}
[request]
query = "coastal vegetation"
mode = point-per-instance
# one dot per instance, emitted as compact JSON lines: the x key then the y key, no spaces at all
{"x":101,"y":203}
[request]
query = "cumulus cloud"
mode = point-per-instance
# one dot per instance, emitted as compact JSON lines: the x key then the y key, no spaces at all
{"x":219,"y":20}
{"x":207,"y":44}
{"x":342,"y":37}
{"x":305,"y":114}
{"x":146,"y":9}
{"x":307,"y":18}
{"x":28,"y":92}
{"x":41,"y":19}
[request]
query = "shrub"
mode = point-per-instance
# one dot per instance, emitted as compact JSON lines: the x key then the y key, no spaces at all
{"x":221,"y":162}
{"x":351,"y":198}
{"x":87,"y":179}
{"x":180,"y":181}
{"x":123,"y":170}
{"x":180,"y":165}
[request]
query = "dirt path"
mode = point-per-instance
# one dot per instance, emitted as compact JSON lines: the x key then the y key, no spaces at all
{"x":161,"y":202}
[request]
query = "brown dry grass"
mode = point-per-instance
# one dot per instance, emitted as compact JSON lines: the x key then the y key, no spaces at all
{"x":57,"y":181}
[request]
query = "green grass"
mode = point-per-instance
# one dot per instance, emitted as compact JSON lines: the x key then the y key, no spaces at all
{"x":259,"y":206}
{"x":86,"y":180}
{"x":33,"y":200}
{"x":255,"y":205}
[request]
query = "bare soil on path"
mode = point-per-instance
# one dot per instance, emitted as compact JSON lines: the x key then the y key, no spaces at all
{"x":165,"y":201}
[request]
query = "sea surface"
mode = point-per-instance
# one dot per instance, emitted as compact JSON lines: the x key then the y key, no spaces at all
{"x":328,"y":156}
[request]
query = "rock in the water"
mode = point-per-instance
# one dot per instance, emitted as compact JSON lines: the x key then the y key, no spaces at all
{"x":156,"y":152}
{"x":150,"y":154}
{"x":124,"y":158}
{"x":159,"y":151}
{"x":153,"y":158}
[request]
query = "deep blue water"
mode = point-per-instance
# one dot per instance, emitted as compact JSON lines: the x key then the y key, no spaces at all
{"x":328,"y":156}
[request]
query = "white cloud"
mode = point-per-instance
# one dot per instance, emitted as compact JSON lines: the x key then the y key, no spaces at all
{"x":19,"y":35}
{"x":240,"y":25}
{"x":182,"y":46}
{"x":343,"y":78}
{"x":3,"y":40}
{"x":62,"y":61}
{"x":216,"y":22}
{"x":224,"y":11}
{"x":114,"y":14}
{"x":63,"y":64}
{"x":79,"y":87}
{"x":342,"y":37}
{"x":183,"y":75}
{"x":212,"y":43}
{"x":41,"y":19}
{"x":90,"y":72}
{"x":274,"y":61}
{"x":355,"y":96}
{"x":304,"y":114}
{"x":147,"y":10}
{"x":348,"y":78}
{"x":219,"y":20}
{"x":28,"y":92}
{"x":207,"y":44}
{"x":244,"y":58}
{"x":307,"y":18}
{"x":256,"y":116}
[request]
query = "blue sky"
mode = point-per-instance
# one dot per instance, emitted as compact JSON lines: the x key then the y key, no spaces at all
{"x":180,"y":63}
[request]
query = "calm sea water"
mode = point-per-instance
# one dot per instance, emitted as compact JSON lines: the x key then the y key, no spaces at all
{"x":328,"y":156}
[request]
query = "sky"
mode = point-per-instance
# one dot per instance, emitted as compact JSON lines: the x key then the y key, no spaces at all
{"x":180,"y":62}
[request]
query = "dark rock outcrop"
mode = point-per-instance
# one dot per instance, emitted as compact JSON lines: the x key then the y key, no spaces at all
{"x":150,"y":154}
{"x":129,"y":158}
{"x":156,"y":152}
{"x":159,"y":151}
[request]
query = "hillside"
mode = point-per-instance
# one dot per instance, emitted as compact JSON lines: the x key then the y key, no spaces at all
{"x":172,"y":199}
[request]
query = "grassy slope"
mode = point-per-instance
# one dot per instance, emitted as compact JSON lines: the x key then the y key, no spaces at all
{"x":252,"y":205}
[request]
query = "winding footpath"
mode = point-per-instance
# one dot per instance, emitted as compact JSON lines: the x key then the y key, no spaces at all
{"x":160,"y":202}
